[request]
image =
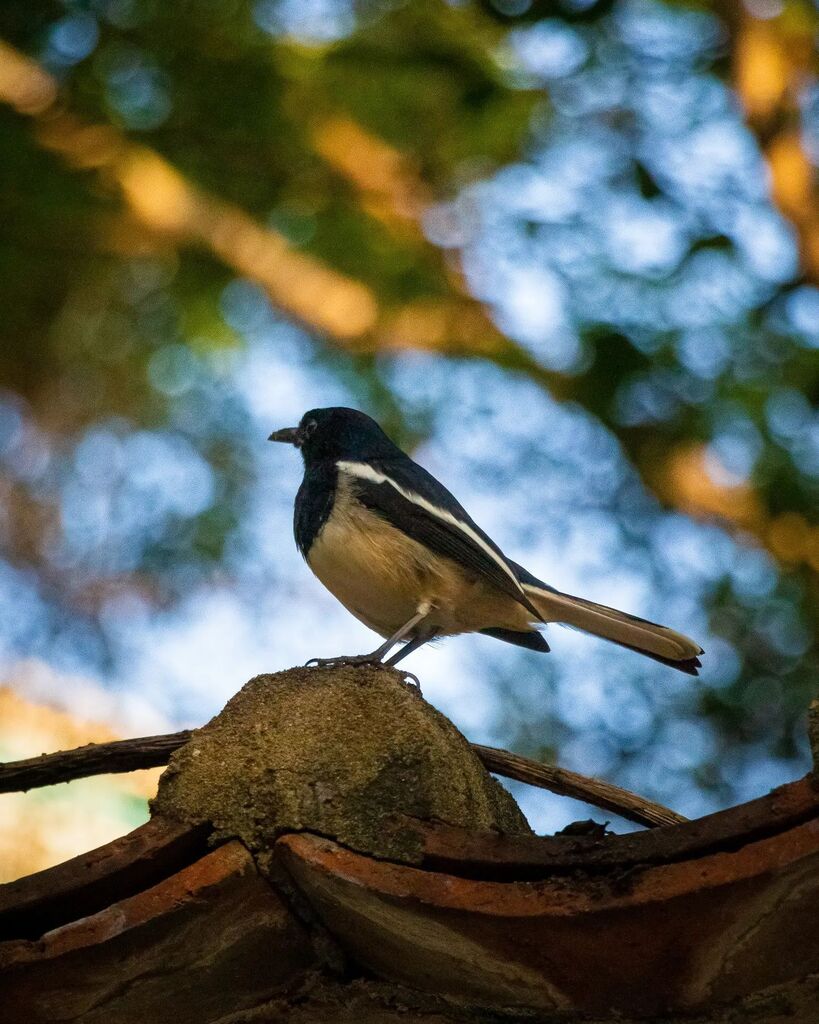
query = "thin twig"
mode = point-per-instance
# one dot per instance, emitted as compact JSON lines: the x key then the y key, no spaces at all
{"x":151,"y":751}
{"x":591,"y":791}
{"x":92,"y":759}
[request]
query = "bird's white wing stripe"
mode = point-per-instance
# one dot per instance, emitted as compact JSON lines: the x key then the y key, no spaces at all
{"x":366,"y":472}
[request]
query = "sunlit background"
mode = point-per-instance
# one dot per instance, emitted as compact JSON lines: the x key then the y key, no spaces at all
{"x":567,"y":252}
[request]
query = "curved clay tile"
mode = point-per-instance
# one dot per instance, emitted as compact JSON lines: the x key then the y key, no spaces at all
{"x":688,"y":918}
{"x":638,"y":939}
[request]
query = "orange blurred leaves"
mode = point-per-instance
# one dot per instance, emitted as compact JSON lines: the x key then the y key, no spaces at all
{"x":774,"y":61}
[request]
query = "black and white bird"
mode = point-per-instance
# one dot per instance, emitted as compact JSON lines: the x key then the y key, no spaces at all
{"x":400,"y":553}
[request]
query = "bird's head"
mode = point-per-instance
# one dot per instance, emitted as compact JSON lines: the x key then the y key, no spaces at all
{"x":337,"y":433}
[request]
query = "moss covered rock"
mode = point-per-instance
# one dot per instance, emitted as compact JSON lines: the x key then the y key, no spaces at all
{"x":340,"y":752}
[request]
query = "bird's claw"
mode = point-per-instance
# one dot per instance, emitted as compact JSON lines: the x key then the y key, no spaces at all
{"x":359,"y":659}
{"x":410,"y":676}
{"x":344,"y":659}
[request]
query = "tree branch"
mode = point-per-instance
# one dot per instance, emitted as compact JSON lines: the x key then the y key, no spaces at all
{"x":172,"y":208}
{"x":152,"y":751}
{"x":92,"y":759}
{"x":592,"y":791}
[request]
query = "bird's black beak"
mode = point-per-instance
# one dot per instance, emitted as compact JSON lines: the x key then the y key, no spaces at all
{"x":288,"y":435}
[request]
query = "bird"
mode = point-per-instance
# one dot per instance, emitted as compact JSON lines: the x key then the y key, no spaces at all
{"x":399,"y":551}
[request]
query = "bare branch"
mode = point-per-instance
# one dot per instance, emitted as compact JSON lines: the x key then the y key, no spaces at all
{"x":92,"y":759}
{"x":151,"y":751}
{"x":582,"y":787}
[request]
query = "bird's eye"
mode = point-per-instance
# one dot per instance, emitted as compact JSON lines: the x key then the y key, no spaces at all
{"x":310,"y":428}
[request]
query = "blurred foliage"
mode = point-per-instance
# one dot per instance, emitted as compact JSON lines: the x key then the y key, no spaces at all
{"x":565,"y":191}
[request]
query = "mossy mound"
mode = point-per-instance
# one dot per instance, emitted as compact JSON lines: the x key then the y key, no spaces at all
{"x":340,"y":752}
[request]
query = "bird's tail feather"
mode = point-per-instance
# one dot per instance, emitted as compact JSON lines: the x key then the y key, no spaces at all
{"x":655,"y":641}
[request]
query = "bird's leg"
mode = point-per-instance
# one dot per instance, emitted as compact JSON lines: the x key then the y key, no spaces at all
{"x":374,"y":658}
{"x":408,"y":648}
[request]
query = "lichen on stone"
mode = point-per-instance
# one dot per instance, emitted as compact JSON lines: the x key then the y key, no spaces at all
{"x":343,"y":752}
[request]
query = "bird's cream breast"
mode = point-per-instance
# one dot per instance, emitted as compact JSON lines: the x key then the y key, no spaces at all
{"x":382,"y":576}
{"x":376,"y":572}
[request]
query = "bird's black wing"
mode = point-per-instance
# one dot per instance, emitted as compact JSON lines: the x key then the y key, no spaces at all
{"x":412,"y":500}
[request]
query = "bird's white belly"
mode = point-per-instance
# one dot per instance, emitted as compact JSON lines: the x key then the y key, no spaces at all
{"x":383,"y":577}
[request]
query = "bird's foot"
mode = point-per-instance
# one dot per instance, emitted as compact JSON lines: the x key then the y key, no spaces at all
{"x":344,"y":659}
{"x":409,"y":676}
{"x":360,"y":659}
